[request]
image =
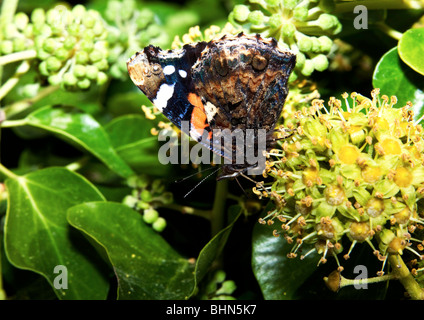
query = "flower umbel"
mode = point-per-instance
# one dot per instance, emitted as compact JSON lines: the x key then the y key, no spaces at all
{"x":303,"y":26}
{"x":354,"y":169}
{"x":146,"y":197}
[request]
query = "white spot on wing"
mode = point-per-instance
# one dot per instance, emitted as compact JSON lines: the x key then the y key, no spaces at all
{"x":168,"y":70}
{"x":210,"y":110}
{"x":165,"y":93}
{"x":182,"y":73}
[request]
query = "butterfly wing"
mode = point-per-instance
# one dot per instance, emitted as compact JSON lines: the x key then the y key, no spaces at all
{"x":242,"y":82}
{"x":235,"y":83}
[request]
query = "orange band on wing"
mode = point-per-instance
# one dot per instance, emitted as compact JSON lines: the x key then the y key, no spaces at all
{"x":198,"y":116}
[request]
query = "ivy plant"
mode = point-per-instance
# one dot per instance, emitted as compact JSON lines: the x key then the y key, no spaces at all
{"x":88,"y":211}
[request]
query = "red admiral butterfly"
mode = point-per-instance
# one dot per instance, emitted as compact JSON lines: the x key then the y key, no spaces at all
{"x":236,"y":82}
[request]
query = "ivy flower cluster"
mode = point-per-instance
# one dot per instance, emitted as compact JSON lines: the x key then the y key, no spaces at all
{"x":129,"y":30}
{"x":70,"y":45}
{"x":146,"y":196}
{"x":304,"y":26}
{"x":356,"y":173}
{"x":195,"y":35}
{"x":77,"y":47}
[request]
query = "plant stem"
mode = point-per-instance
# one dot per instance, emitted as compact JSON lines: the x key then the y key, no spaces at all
{"x":7,"y":172}
{"x":13,"y":123}
{"x":22,"y":105}
{"x":76,"y":165}
{"x":18,"y":56}
{"x":218,"y":210}
{"x":348,"y":6}
{"x":389,"y":30}
{"x":401,"y":271}
{"x":8,"y":9}
{"x":11,"y":82}
{"x":188,"y":210}
{"x":349,"y":282}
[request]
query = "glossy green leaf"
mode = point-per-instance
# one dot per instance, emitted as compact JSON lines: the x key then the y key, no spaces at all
{"x":411,"y":48}
{"x":39,"y":238}
{"x":82,"y":129}
{"x":214,"y":247}
{"x":146,"y":266}
{"x":131,"y":138}
{"x":278,"y":276}
{"x":394,"y":77}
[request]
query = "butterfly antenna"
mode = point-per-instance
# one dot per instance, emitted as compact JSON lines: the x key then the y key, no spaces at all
{"x":201,"y":181}
{"x":238,"y":182}
{"x":191,"y":175}
{"x":248,"y":178}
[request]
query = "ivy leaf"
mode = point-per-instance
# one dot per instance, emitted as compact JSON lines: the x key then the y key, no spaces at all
{"x":214,"y":247}
{"x":278,"y":276}
{"x":411,"y":48}
{"x":146,"y":266}
{"x":82,"y":129}
{"x":130,"y":136}
{"x":39,"y":238}
{"x":394,"y":77}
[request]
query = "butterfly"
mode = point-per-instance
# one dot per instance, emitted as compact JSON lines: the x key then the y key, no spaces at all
{"x":230,"y":88}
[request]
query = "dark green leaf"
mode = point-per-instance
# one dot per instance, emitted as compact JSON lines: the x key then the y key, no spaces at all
{"x":146,"y":266}
{"x":39,"y":238}
{"x":82,"y":129}
{"x":214,"y":247}
{"x":130,"y":136}
{"x":394,"y":77}
{"x":411,"y":48}
{"x":278,"y":276}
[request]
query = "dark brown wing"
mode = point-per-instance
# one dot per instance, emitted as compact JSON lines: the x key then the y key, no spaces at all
{"x":242,"y":82}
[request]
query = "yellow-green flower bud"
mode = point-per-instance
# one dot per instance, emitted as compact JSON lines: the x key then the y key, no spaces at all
{"x":53,"y":64}
{"x":38,"y":16}
{"x":83,"y":84}
{"x":273,"y":3}
{"x":21,"y":20}
{"x":290,"y":4}
{"x":62,"y":54}
{"x":55,"y":79}
{"x":81,"y":57}
{"x":19,"y":44}
{"x":241,"y":12}
{"x":159,"y":225}
{"x":288,"y":29}
{"x":275,"y":22}
{"x":320,"y":62}
{"x":256,"y":17}
{"x":327,"y":21}
{"x":301,"y":13}
{"x":91,"y":72}
{"x":150,"y":215}
{"x":102,"y":64}
{"x":6,"y":46}
{"x":79,"y":70}
{"x":141,"y":205}
{"x":69,"y":79}
{"x":130,"y":201}
{"x":325,"y":44}
{"x":101,"y":78}
{"x":145,"y":195}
